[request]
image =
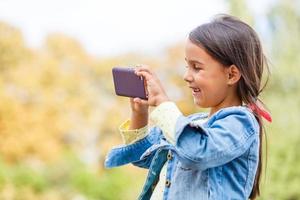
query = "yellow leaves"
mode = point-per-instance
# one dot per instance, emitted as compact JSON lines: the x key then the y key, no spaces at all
{"x":66,"y":49}
{"x":12,"y":49}
{"x":26,"y":132}
{"x":175,"y":55}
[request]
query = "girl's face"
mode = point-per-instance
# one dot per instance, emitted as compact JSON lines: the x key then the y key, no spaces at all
{"x":205,"y":76}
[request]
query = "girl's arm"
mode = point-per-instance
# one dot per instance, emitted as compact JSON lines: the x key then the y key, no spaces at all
{"x":131,"y":153}
{"x":136,"y":138}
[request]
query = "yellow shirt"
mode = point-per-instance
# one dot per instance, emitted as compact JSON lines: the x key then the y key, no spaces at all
{"x":164,"y":116}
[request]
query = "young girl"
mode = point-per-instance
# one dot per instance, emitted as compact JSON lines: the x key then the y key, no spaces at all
{"x":215,"y":155}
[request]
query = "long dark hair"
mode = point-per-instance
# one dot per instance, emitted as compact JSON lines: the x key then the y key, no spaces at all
{"x":231,"y":41}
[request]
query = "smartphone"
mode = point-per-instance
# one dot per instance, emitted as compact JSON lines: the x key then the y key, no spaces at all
{"x":128,"y":84}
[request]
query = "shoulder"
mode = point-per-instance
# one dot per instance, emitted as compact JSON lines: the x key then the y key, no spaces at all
{"x":236,"y":117}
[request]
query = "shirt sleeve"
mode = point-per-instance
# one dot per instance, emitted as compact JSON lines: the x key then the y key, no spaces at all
{"x":131,"y":136}
{"x":165,"y":117}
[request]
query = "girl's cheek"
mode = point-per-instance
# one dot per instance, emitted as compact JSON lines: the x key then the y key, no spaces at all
{"x":200,"y":80}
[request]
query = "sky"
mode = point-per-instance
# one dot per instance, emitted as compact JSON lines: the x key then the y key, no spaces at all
{"x":112,"y":27}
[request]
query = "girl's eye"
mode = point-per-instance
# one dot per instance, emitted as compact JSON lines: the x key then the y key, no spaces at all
{"x":194,"y":67}
{"x":197,"y":68}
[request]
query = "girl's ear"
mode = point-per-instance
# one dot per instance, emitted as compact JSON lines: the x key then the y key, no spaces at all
{"x":234,"y":75}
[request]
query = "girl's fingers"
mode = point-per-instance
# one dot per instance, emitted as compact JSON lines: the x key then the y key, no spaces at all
{"x":136,"y":100}
{"x":146,"y":88}
{"x":145,"y":71}
{"x":145,"y":74}
{"x":140,"y":101}
{"x":143,"y":68}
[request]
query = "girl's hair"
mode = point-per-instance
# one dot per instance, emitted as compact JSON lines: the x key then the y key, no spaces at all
{"x":232,"y":42}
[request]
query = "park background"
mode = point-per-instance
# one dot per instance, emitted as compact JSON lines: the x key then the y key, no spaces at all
{"x":59,"y":115}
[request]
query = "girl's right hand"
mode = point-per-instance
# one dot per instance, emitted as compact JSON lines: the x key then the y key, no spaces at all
{"x":138,"y":108}
{"x":139,"y":115}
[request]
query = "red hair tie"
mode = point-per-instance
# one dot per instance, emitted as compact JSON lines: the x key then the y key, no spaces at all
{"x":260,"y":110}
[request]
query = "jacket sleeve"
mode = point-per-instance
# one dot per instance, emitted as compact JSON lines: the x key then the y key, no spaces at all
{"x":226,"y":136}
{"x":132,"y":153}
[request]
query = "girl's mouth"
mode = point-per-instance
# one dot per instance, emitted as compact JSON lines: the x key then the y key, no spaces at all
{"x":195,"y":91}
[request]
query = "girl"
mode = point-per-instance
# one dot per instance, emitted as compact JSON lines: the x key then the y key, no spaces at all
{"x":215,"y":155}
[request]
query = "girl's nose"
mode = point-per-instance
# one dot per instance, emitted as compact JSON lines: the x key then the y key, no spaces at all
{"x":187,"y":76}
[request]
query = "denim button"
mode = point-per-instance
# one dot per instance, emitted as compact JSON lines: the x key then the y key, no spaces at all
{"x":168,"y":183}
{"x":169,"y":156}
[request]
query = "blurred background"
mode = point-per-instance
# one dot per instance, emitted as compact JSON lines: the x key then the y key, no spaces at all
{"x":59,"y":115}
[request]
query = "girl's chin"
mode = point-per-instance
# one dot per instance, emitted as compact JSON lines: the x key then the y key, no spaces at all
{"x":198,"y":102}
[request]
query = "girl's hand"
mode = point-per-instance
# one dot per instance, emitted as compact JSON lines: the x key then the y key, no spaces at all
{"x":156,"y":93}
{"x":139,"y":115}
{"x":138,"y":108}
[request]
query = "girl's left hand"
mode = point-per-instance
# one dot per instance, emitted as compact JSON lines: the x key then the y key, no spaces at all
{"x":156,"y":93}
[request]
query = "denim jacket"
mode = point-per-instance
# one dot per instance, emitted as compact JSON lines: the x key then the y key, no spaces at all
{"x":215,"y":160}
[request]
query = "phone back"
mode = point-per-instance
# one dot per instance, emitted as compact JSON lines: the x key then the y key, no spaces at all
{"x":127,"y":83}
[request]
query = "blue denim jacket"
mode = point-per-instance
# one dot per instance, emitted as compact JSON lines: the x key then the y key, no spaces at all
{"x":216,"y":160}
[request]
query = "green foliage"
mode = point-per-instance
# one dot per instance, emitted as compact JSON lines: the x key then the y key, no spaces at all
{"x":104,"y":188}
{"x":240,"y":9}
{"x":68,"y":178}
{"x":25,"y":177}
{"x":282,"y":175}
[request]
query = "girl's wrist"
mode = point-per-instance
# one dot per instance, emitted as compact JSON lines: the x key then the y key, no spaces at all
{"x":138,"y":120}
{"x":162,"y":100}
{"x":140,"y":114}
